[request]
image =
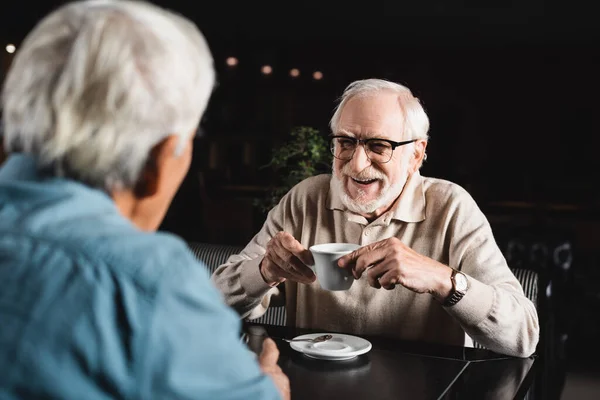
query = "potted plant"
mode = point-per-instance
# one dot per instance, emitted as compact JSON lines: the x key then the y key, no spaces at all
{"x":306,"y":153}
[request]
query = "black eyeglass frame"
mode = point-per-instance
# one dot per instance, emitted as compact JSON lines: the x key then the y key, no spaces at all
{"x":364,"y":143}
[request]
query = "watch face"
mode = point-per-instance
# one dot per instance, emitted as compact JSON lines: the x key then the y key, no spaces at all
{"x":461,"y":282}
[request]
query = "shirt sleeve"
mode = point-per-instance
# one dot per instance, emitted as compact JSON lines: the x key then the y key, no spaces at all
{"x":494,"y":311}
{"x":240,"y":280}
{"x":194,"y":349}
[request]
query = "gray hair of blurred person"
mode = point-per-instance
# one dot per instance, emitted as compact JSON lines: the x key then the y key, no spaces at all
{"x":416,"y":122}
{"x":97,"y":84}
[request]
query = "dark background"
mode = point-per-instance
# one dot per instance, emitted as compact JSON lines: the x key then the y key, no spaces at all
{"x":511,"y":88}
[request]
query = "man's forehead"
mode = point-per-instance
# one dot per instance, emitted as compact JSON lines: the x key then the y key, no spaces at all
{"x":363,"y":128}
{"x":375,"y":104}
{"x":370,"y":117}
{"x":362,"y":134}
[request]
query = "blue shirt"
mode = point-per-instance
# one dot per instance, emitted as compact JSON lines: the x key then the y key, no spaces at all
{"x":93,"y":308}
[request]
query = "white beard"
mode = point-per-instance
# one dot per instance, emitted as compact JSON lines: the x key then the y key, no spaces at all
{"x":388,"y":194}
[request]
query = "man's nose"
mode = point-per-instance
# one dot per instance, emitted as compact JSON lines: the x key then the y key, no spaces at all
{"x":360,"y":160}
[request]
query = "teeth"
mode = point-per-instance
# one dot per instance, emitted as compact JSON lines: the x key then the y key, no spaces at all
{"x":363,"y":180}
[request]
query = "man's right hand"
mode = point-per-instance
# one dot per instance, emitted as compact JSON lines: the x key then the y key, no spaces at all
{"x":268,"y":364}
{"x":285,"y":259}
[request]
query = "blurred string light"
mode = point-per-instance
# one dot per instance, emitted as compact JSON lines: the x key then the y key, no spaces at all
{"x":266,"y":70}
{"x":232,"y":61}
{"x":11,"y":48}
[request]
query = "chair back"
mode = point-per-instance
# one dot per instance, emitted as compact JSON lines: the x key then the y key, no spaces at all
{"x":214,"y":255}
{"x":530,"y":282}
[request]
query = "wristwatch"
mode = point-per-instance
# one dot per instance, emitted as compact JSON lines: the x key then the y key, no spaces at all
{"x":460,"y":285}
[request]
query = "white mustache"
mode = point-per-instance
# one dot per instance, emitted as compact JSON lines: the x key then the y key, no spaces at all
{"x":364,"y":175}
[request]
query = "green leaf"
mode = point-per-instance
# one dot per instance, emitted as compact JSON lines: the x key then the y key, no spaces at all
{"x":305,"y":153}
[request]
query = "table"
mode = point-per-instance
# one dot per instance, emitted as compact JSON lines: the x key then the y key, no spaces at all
{"x":395,"y":369}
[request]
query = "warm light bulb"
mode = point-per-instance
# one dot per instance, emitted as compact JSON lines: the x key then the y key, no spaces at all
{"x":10,"y":48}
{"x":232,"y":61}
{"x":317,"y":75}
{"x":266,"y":69}
{"x":294,"y":72}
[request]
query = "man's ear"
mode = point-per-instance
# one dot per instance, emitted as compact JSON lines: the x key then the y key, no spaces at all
{"x":418,"y":155}
{"x":150,"y":177}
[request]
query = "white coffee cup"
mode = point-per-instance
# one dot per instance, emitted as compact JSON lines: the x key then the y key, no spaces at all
{"x":329,"y":275}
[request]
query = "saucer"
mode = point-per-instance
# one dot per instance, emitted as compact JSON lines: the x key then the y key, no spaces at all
{"x":339,"y":347}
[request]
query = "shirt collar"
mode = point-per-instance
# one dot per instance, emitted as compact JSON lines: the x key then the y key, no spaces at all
{"x":19,"y":167}
{"x":22,"y":170}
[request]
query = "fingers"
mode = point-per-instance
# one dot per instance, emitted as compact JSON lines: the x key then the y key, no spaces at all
{"x":292,"y":264}
{"x":367,"y":260}
{"x":384,"y":275}
{"x":268,"y":364}
{"x":282,"y":383}
{"x":350,"y":258}
{"x":364,"y":257}
{"x":281,"y":271}
{"x":373,"y":280}
{"x":290,"y":243}
{"x":389,"y":280}
{"x":364,"y":250}
{"x":288,"y":258}
{"x":269,"y":354}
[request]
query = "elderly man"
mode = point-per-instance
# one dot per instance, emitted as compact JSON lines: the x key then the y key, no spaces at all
{"x":424,"y":241}
{"x":100,"y":107}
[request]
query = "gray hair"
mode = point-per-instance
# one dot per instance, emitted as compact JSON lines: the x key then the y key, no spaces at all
{"x":97,"y":84}
{"x":416,"y":122}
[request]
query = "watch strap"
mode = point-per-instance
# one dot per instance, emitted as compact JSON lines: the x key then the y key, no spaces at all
{"x":456,"y":295}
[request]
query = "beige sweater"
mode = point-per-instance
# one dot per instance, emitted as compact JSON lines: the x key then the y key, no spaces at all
{"x":436,"y":218}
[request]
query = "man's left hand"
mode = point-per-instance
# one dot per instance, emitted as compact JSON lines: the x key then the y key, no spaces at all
{"x":390,"y":262}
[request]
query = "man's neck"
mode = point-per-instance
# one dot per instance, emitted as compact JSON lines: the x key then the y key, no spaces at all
{"x":131,"y":207}
{"x":380,"y":211}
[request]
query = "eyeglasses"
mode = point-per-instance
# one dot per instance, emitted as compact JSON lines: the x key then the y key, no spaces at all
{"x":378,"y":150}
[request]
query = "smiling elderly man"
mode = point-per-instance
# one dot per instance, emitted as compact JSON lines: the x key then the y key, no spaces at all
{"x":425,"y":241}
{"x":100,"y":108}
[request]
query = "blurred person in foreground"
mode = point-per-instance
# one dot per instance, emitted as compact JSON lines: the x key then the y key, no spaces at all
{"x":100,"y":107}
{"x":424,"y":241}
{"x":2,"y":152}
